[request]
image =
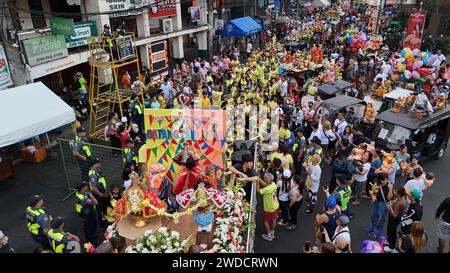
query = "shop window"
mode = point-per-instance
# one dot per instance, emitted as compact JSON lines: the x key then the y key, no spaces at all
{"x":37,"y":15}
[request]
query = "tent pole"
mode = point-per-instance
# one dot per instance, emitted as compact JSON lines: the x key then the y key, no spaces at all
{"x":48,"y":140}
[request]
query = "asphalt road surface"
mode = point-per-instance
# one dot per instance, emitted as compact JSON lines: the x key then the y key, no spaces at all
{"x":48,"y":178}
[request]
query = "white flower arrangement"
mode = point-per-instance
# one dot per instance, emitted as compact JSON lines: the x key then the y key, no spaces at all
{"x":231,"y":222}
{"x":159,"y":241}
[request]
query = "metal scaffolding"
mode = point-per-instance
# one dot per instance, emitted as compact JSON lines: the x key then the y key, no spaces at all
{"x":106,"y":95}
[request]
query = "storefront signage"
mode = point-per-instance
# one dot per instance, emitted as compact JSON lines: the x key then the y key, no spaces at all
{"x":121,"y":8}
{"x":5,"y":75}
{"x":162,"y":8}
{"x":61,"y":26}
{"x":125,"y":46}
{"x":158,"y":56}
{"x":83,"y":30}
{"x":44,"y":49}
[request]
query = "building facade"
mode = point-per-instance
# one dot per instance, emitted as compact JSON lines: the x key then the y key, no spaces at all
{"x":35,"y":54}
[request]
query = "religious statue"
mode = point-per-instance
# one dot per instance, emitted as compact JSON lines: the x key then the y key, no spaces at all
{"x":155,"y":177}
{"x":136,"y":202}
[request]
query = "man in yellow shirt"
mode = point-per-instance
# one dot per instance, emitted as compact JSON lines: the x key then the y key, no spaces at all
{"x":205,"y":102}
{"x":270,"y":204}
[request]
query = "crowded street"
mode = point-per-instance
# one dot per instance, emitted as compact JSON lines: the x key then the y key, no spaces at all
{"x":201,"y":127}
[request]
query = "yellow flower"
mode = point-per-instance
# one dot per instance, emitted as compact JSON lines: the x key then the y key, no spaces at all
{"x":146,"y":203}
{"x":176,"y":217}
{"x":203,"y":201}
{"x":189,"y":211}
{"x":161,"y":212}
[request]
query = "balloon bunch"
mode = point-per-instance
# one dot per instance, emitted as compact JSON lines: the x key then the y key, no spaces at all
{"x":414,"y":66}
{"x":374,"y":42}
{"x":355,"y":40}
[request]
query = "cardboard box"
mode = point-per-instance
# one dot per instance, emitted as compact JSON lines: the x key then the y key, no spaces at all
{"x":39,"y":156}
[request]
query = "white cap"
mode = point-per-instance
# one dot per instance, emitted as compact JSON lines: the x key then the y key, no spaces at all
{"x":124,"y":119}
{"x":286,"y":173}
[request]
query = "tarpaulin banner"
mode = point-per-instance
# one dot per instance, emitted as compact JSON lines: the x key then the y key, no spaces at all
{"x":414,"y":31}
{"x":169,"y":131}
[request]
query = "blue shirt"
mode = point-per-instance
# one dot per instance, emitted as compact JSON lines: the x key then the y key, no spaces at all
{"x":373,"y":166}
{"x":41,"y":220}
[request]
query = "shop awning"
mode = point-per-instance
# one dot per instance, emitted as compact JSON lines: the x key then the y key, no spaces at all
{"x":31,"y":110}
{"x":244,"y":26}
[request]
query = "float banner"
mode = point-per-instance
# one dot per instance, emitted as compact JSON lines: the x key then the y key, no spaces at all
{"x":170,"y":131}
{"x":414,"y":31}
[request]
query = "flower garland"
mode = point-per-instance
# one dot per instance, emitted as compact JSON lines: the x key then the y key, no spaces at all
{"x":232,"y":221}
{"x":176,"y":215}
{"x":162,"y":240}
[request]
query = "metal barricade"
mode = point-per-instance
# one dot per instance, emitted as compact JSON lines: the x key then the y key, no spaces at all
{"x":110,"y":157}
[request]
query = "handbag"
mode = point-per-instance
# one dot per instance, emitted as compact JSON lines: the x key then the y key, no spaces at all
{"x":339,"y":164}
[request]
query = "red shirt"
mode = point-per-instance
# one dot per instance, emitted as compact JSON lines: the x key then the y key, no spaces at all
{"x":123,"y":136}
{"x":187,"y":179}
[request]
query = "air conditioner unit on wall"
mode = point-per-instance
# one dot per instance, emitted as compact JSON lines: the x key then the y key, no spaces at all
{"x":167,"y":25}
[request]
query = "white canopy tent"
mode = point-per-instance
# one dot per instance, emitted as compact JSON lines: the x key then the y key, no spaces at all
{"x":320,"y":3}
{"x":31,"y":110}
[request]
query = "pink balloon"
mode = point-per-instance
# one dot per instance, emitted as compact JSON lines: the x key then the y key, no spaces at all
{"x":407,"y":74}
{"x":432,"y":60}
{"x":417,"y":64}
{"x":415,"y":74}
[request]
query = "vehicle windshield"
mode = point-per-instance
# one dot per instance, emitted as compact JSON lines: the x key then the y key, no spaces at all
{"x":392,"y":133}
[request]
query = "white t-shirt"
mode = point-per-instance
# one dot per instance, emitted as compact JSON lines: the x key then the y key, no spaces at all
{"x":418,"y":184}
{"x":391,"y":176}
{"x":282,"y":195}
{"x":363,"y":178}
{"x":284,"y":88}
{"x":327,"y":136}
{"x":317,"y":134}
{"x":187,"y":89}
{"x":340,"y":126}
{"x":249,"y":48}
{"x":316,"y":172}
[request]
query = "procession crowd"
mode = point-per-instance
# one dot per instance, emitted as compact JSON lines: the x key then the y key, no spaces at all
{"x":309,"y":145}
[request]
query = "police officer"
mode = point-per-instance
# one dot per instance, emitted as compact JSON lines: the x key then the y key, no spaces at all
{"x":85,"y":207}
{"x":129,"y":155}
{"x":82,"y":152}
{"x":38,"y":220}
{"x":298,"y":150}
{"x":120,"y":30}
{"x":135,"y":109}
{"x":108,"y":42}
{"x":61,"y":241}
{"x":314,"y":148}
{"x":98,"y":187}
{"x":342,"y":193}
{"x":81,"y":83}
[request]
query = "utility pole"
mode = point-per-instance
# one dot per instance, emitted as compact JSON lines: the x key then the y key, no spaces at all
{"x":380,"y":7}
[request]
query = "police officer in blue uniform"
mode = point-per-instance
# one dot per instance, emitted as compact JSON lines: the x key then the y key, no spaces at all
{"x":38,"y":220}
{"x":82,"y":152}
{"x":136,"y":110}
{"x":98,"y":187}
{"x":61,"y":241}
{"x":129,"y":155}
{"x":85,"y":206}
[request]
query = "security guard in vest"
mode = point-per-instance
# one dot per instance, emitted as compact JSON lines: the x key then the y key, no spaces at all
{"x":108,"y":42}
{"x":136,"y":111}
{"x":129,"y":155}
{"x":120,"y":30}
{"x":38,"y":220}
{"x":82,"y":152}
{"x":62,"y":242}
{"x":98,"y":187}
{"x":85,"y":207}
{"x":343,"y":193}
{"x":314,"y":148}
{"x":298,"y":150}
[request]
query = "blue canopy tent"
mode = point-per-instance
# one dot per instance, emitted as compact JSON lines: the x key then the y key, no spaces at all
{"x":241,"y":27}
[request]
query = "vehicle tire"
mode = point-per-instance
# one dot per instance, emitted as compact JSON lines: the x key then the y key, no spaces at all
{"x":441,"y":152}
